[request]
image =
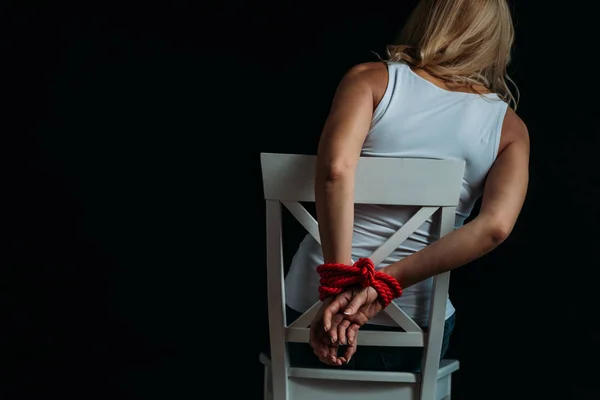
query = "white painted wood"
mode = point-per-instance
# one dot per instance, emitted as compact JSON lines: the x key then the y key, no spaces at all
{"x":276,"y":301}
{"x":304,"y":217}
{"x":447,"y":367}
{"x":305,"y":319}
{"x":443,"y":388}
{"x":398,"y":315}
{"x":402,"y":234}
{"x":367,"y":338}
{"x":333,"y":384}
{"x":431,"y":184}
{"x":350,"y":375}
{"x":396,"y":339}
{"x":333,"y":389}
{"x":401,"y":318}
{"x":444,"y":381}
{"x":267,"y":385}
{"x":437,"y":313}
{"x":379,"y":180}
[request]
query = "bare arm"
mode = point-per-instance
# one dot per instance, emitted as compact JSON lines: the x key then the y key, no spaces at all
{"x":503,"y":197}
{"x":339,"y":150}
{"x":340,"y":145}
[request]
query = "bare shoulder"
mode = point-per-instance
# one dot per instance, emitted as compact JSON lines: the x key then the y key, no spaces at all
{"x":514,"y":129}
{"x":368,"y":69}
{"x":371,"y":75}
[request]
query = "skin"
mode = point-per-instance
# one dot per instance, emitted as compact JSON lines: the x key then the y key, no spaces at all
{"x":345,"y":130}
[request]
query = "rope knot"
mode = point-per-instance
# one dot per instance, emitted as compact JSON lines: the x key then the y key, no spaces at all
{"x":335,"y":278}
{"x":367,"y":271}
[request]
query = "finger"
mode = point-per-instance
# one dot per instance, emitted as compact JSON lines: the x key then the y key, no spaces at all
{"x":333,"y":331}
{"x":322,"y":356}
{"x":332,"y":356}
{"x":341,"y":330}
{"x":349,"y":352}
{"x":317,"y":341}
{"x":321,"y":351}
{"x":327,"y":354}
{"x":356,"y":303}
{"x":351,"y":333}
{"x":341,"y":301}
{"x":322,"y":347}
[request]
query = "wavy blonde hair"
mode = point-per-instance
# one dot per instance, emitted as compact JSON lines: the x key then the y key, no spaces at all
{"x":467,"y":42}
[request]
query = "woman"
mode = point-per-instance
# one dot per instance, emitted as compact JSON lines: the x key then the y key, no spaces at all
{"x":442,"y":93}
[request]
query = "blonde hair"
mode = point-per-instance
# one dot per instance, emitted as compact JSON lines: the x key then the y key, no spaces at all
{"x":467,"y":42}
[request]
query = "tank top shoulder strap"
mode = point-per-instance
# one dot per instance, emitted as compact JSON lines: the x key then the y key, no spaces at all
{"x":396,"y":70}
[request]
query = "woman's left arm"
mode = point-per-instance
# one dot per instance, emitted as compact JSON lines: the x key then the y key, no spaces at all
{"x":339,"y":149}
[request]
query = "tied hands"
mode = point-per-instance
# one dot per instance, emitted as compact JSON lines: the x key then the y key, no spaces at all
{"x":338,"y":321}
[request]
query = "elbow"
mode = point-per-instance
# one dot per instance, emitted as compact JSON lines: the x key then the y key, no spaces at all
{"x":336,"y":171}
{"x":498,"y":231}
{"x":495,"y":228}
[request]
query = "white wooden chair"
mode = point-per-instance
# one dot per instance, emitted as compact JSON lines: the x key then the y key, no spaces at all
{"x":435,"y":186}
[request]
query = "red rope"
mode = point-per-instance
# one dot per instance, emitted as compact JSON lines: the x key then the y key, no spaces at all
{"x":335,"y":278}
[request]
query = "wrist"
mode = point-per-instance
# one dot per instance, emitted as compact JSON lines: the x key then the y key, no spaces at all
{"x":339,"y":260}
{"x":391,"y":270}
{"x":335,"y":278}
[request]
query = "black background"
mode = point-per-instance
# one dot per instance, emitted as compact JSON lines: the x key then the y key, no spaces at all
{"x":133,"y":258}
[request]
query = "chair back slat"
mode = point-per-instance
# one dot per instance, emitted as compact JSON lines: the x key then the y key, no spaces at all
{"x":303,"y":216}
{"x":291,"y":177}
{"x":407,"y":229}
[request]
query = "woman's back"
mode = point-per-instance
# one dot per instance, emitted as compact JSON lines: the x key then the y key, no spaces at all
{"x":415,"y":118}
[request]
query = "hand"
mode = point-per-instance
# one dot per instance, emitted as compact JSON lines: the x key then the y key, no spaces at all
{"x":358,"y":307}
{"x":323,"y":346}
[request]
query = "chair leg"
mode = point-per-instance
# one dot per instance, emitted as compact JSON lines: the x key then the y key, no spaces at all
{"x":267,"y":389}
{"x":444,"y":387}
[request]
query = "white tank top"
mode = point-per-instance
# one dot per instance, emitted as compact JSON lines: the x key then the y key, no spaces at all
{"x":414,"y":119}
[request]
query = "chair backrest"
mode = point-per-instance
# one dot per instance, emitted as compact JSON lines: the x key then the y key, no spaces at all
{"x":434,"y":185}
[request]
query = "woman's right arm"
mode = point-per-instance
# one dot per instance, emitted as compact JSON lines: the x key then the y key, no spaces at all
{"x":503,"y":197}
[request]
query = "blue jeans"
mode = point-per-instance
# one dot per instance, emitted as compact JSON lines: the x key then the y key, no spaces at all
{"x":368,"y":358}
